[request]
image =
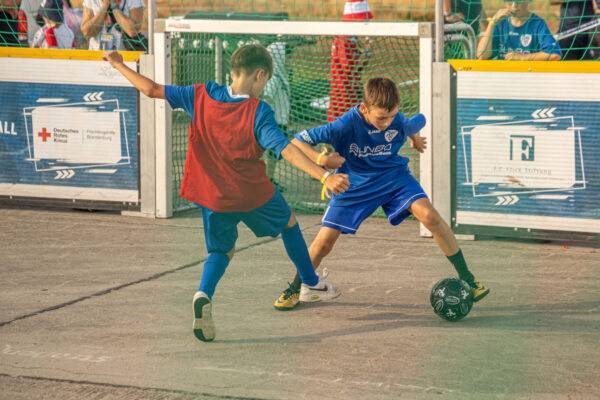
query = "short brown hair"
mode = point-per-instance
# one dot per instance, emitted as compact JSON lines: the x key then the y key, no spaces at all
{"x":381,"y":92}
{"x":250,"y":57}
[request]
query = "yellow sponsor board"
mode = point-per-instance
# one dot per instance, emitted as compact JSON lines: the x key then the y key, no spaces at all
{"x":94,"y":55}
{"x":580,"y":67}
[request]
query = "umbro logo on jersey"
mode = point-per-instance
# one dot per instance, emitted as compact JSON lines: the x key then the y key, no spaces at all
{"x":366,"y":151}
{"x":390,"y":135}
{"x":304,"y":135}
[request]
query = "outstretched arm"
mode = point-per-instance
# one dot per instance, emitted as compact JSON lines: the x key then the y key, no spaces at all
{"x":337,"y":183}
{"x":329,"y":161}
{"x":539,"y":56}
{"x":141,"y":83}
{"x":419,"y":143}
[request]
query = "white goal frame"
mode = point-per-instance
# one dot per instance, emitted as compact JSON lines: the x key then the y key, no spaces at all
{"x":163,"y":28}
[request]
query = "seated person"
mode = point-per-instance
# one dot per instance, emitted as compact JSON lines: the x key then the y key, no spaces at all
{"x":9,"y":22}
{"x":467,"y":11}
{"x":54,"y":34}
{"x":105,"y":22}
{"x":515,"y":33}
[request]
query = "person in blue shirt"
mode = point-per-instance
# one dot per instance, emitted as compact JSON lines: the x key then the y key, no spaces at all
{"x":366,"y":140}
{"x":515,"y":33}
{"x":229,"y":130}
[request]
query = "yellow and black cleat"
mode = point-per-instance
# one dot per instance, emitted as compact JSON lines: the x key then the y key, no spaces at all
{"x":288,"y":299}
{"x":478,"y":291}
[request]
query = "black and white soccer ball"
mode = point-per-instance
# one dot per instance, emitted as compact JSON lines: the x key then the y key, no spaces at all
{"x":451,"y":299}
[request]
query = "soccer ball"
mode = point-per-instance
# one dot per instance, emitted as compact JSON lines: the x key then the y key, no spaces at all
{"x":451,"y":299}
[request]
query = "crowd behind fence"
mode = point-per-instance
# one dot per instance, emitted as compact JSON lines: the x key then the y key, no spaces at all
{"x":563,"y":29}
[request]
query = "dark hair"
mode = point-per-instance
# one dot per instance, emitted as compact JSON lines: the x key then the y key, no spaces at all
{"x":251,"y":57}
{"x":381,"y":92}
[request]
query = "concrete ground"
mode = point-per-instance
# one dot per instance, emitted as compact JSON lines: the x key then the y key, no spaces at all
{"x":98,"y":306}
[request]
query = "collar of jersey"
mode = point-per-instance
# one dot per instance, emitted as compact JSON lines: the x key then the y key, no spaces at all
{"x":236,"y":96}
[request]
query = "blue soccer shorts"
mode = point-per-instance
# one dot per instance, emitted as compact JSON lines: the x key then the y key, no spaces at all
{"x":220,"y":228}
{"x":395,"y":205}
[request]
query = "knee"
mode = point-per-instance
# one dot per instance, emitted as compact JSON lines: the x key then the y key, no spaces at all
{"x":430,"y":218}
{"x":230,"y":253}
{"x":291,"y":222}
{"x":322,"y":248}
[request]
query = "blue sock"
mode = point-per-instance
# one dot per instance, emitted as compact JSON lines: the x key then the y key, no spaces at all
{"x":214,"y":268}
{"x":296,"y":248}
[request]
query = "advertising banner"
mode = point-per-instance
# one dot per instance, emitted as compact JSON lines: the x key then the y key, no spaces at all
{"x":527,"y":151}
{"x":68,"y":130}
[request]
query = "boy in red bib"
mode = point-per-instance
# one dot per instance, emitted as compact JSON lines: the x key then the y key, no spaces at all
{"x":229,"y":131}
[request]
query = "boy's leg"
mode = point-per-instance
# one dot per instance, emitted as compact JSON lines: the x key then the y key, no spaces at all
{"x":424,"y":212}
{"x":318,"y":249}
{"x":220,"y":234}
{"x":214,"y":268}
{"x":337,"y":220}
{"x":296,"y":248}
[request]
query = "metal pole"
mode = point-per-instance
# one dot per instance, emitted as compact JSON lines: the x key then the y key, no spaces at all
{"x":219,"y":60}
{"x":439,"y":30}
{"x":151,"y":18}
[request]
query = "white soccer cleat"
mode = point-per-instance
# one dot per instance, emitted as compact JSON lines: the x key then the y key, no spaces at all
{"x":321,"y":291}
{"x":204,"y":326}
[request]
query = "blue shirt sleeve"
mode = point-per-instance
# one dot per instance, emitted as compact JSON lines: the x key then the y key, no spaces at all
{"x":181,"y":97}
{"x":330,"y":133}
{"x":547,"y":42}
{"x":267,"y":132}
{"x":414,"y":124}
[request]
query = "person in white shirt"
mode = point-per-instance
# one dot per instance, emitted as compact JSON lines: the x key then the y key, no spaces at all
{"x":54,"y":34}
{"x":105,"y":22}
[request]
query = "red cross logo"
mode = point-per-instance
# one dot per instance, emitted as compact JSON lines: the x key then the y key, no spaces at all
{"x":43,"y":134}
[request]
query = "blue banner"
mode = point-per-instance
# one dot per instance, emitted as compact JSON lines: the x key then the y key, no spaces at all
{"x":528,"y":158}
{"x":69,"y":136}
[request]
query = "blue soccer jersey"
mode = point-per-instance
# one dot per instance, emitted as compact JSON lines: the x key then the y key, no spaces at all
{"x":267,"y":132}
{"x":372,"y":162}
{"x":532,"y":37}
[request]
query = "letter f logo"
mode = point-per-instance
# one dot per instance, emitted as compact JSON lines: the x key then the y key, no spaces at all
{"x":521,"y":148}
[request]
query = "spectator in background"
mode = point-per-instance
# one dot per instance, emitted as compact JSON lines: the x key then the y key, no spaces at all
{"x":574,"y":13}
{"x":277,"y":94}
{"x":11,"y":24}
{"x":468,"y":11}
{"x":54,"y":33}
{"x":110,"y":24}
{"x":348,"y":60}
{"x":515,"y":33}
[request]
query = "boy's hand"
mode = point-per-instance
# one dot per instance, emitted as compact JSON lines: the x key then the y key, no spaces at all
{"x":418,"y":143}
{"x":333,"y":160}
{"x":501,"y":14}
{"x":112,"y":57}
{"x":337,"y":183}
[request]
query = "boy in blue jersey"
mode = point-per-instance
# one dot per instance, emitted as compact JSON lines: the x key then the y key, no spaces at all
{"x":368,"y":138}
{"x":515,"y":33}
{"x":229,"y":130}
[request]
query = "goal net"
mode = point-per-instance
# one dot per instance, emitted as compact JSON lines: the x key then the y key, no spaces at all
{"x":319,"y":70}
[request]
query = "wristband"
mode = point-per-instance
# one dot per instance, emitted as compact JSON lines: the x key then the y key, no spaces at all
{"x":319,"y":159}
{"x":325,"y":175}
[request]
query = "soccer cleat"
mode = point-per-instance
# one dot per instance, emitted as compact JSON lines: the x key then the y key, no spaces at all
{"x":204,"y":327}
{"x":478,"y":291}
{"x":288,"y":299}
{"x":321,"y":291}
